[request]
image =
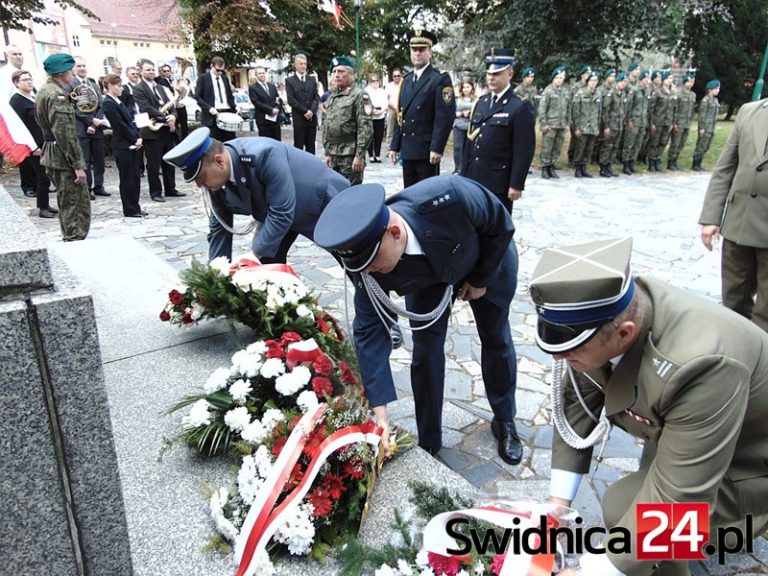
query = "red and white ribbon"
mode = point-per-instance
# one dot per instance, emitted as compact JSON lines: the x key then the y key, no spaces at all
{"x":264,"y":518}
{"x":301,"y":352}
{"x":437,"y":540}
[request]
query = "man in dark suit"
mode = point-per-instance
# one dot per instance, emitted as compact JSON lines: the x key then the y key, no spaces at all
{"x":442,"y":238}
{"x":90,"y":132}
{"x":303,"y":99}
{"x":166,"y":79}
{"x":502,"y":133}
{"x":153,"y":100}
{"x":425,"y":115}
{"x":214,"y":96}
{"x":283,"y":188}
{"x":264,"y":97}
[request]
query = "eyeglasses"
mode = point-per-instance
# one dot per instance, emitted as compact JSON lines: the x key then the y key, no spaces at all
{"x":27,"y":79}
{"x":396,"y":76}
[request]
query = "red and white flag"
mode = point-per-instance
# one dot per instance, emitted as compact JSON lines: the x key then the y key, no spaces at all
{"x":16,"y":143}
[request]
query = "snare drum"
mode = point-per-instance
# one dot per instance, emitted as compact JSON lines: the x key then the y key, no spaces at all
{"x":228,"y":121}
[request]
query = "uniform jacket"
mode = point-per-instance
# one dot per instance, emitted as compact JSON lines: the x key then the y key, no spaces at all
{"x":661,"y":109}
{"x":124,"y":132}
{"x":695,"y":386}
{"x":502,"y":143}
{"x":148,"y":102}
{"x":611,"y":112}
{"x":637,"y":106}
{"x":737,"y":196}
{"x":84,"y":120}
{"x":206,"y":98}
{"x":684,"y":103}
{"x":264,"y":102}
{"x":426,"y":111}
{"x":25,"y":109}
{"x":709,"y":107}
{"x":282,"y":187}
{"x":465,"y":233}
{"x":347,"y":126}
{"x":585,"y":112}
{"x":529,"y":94}
{"x":302,"y":96}
{"x":554,"y":107}
{"x":56,"y":117}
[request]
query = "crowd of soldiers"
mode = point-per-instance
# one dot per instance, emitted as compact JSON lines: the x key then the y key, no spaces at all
{"x":628,"y":117}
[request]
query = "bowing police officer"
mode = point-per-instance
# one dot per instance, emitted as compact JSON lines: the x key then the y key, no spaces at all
{"x":501,"y":134}
{"x":282,"y":187}
{"x":685,"y":375}
{"x":443,"y":238}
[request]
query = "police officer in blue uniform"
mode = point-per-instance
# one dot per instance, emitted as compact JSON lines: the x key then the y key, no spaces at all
{"x":425,"y":114}
{"x":282,"y":187}
{"x":502,"y":133}
{"x":442,"y":238}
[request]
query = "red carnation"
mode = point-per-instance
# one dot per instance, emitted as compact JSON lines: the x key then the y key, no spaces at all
{"x":354,"y":469}
{"x":449,"y":565}
{"x":497,"y":563}
{"x":276,"y":352}
{"x":176,"y":297}
{"x":322,"y":387}
{"x":347,"y":375}
{"x":322,"y":365}
{"x":187,"y":319}
{"x":320,"y":502}
{"x":334,"y":485}
{"x":165,"y":316}
{"x":289,"y":337}
{"x":278,"y":446}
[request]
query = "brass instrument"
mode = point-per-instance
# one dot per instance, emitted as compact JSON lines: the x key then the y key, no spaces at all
{"x":155,"y":125}
{"x":85,"y":98}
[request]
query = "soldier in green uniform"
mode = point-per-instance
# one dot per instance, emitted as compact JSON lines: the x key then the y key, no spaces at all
{"x":660,"y":118}
{"x":578,"y":83}
{"x":681,"y":121}
{"x":347,"y":126}
{"x":636,"y":121}
{"x":709,"y":107}
{"x":553,"y":120}
{"x":621,"y":99}
{"x":610,"y":121}
{"x":527,"y":91}
{"x":687,"y":376}
{"x":633,"y":73}
{"x":585,"y":124}
{"x":651,"y":93}
{"x":62,"y":156}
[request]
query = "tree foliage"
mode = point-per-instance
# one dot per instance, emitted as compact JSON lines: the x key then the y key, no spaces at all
{"x":15,"y":14}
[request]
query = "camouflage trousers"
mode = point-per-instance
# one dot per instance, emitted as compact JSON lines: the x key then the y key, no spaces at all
{"x":582,"y":148}
{"x":633,"y":141}
{"x":702,"y":145}
{"x":657,"y":142}
{"x":74,"y":204}
{"x":677,"y":143}
{"x":609,"y":146}
{"x":551,"y":145}
{"x":343,"y":165}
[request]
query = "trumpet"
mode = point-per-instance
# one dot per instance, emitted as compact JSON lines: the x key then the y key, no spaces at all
{"x":155,"y":125}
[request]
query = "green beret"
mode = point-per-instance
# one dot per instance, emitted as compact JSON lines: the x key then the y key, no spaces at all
{"x":556,"y":71}
{"x":593,"y":74}
{"x":633,"y":66}
{"x":643,"y":74}
{"x":609,"y":72}
{"x":712,"y":84}
{"x":342,"y":61}
{"x":666,"y":74}
{"x":621,"y":76}
{"x":585,"y":70}
{"x":528,"y":71}
{"x":656,"y":74}
{"x":58,"y":63}
{"x":688,"y":77}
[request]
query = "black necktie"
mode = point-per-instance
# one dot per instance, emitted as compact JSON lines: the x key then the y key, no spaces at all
{"x":218,"y":85}
{"x":494,"y":99}
{"x":302,"y":78}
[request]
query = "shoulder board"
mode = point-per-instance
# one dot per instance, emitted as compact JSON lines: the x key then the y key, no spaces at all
{"x":246,"y":159}
{"x":662,"y":366}
{"x":439,"y":201}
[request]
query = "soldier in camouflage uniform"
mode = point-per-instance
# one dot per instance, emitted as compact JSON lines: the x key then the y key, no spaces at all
{"x":578,"y":83}
{"x":651,"y":93}
{"x":636,"y":118}
{"x":62,"y":156}
{"x":347,"y":126}
{"x":610,"y":121}
{"x":709,"y":107}
{"x":621,"y":98}
{"x":553,"y":120}
{"x":681,"y":121}
{"x":526,"y":91}
{"x":585,"y":124}
{"x":660,"y":118}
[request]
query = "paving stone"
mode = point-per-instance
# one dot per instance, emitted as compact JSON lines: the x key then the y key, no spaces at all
{"x":458,"y":385}
{"x":483,"y":474}
{"x":529,"y":403}
{"x":455,"y":459}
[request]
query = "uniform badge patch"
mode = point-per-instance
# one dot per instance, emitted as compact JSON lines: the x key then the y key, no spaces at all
{"x":448,"y":94}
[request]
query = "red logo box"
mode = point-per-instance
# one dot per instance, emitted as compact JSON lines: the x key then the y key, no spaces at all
{"x":672,"y":531}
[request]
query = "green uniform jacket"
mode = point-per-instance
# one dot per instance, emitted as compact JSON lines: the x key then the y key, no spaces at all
{"x":530,"y":94}
{"x":709,"y":107}
{"x":56,"y":117}
{"x":585,"y":112}
{"x":737,"y":196}
{"x":683,"y":110}
{"x":661,"y":109}
{"x":553,"y":109}
{"x":637,"y":106}
{"x":347,"y":127}
{"x":610,"y":116}
{"x":696,"y":381}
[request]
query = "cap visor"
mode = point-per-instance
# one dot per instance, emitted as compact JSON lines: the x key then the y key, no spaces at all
{"x":497,"y":67}
{"x":360,"y":263}
{"x":560,"y":338}
{"x":191,"y":173}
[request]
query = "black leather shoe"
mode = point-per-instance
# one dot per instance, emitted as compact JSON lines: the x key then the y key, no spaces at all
{"x":176,"y":194}
{"x":30,"y":193}
{"x":158,"y":199}
{"x":396,"y":334}
{"x":143,"y":213}
{"x":101,"y":192}
{"x":92,"y":196}
{"x":510,"y":447}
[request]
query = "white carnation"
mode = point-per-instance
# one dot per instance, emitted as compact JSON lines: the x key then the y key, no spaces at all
{"x":221,"y":265}
{"x":246,"y":363}
{"x":271,"y":418}
{"x":289,"y":384}
{"x":263,"y":460}
{"x":237,"y":418}
{"x":216,"y":505}
{"x":259,"y":347}
{"x":198,"y":415}
{"x":272,"y":368}
{"x":248,"y":481}
{"x":462,"y":573}
{"x":404,"y":568}
{"x":255,"y":432}
{"x":479,"y":569}
{"x":240,"y":390}
{"x":307,"y":401}
{"x":384,"y":570}
{"x":427,"y":572}
{"x":298,"y":532}
{"x":422,"y":558}
{"x":216,"y":381}
{"x":197,"y":311}
{"x":304,"y":311}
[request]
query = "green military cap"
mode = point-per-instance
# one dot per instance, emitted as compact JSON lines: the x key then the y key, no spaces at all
{"x":666,"y":74}
{"x":578,"y":289}
{"x":556,"y":71}
{"x":621,"y":76}
{"x":712,"y":84}
{"x":633,"y":66}
{"x":528,"y":71}
{"x":188,"y":154}
{"x":342,"y":61}
{"x":585,"y":70}
{"x":58,"y":63}
{"x":593,"y":74}
{"x":643,"y":74}
{"x":689,"y":76}
{"x":656,"y":74}
{"x":418,"y":37}
{"x":609,"y":72}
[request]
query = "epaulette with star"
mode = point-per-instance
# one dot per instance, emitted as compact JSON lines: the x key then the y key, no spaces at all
{"x":438,"y":202}
{"x":246,"y":159}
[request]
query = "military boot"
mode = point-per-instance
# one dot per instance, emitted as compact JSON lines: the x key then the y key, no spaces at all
{"x":657,"y":166}
{"x":577,"y":172}
{"x":697,"y":165}
{"x":672,"y":165}
{"x":552,"y":172}
{"x":545,"y":172}
{"x":604,"y":171}
{"x":611,"y":172}
{"x":632,"y":166}
{"x":650,"y":166}
{"x":626,"y":169}
{"x":584,"y":172}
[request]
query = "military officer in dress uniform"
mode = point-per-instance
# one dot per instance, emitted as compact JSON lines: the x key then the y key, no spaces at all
{"x":426,"y":110}
{"x":501,"y":134}
{"x":62,"y":155}
{"x":687,"y":376}
{"x":347,"y":126}
{"x":442,"y":238}
{"x":281,"y":186}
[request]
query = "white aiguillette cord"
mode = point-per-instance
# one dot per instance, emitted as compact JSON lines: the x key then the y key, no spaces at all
{"x":210,"y":211}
